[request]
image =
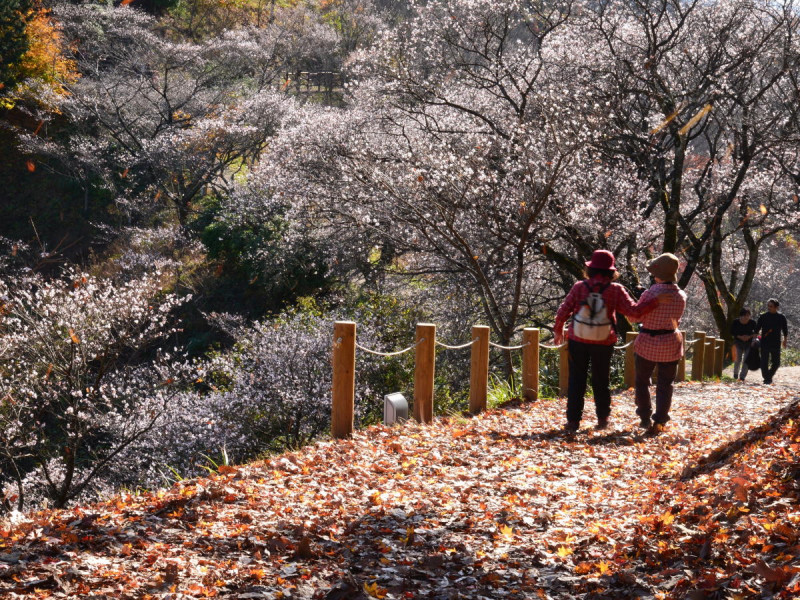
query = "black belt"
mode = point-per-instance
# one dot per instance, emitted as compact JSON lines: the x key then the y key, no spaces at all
{"x":657,"y":331}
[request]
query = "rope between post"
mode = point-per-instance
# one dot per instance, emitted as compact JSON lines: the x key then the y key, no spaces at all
{"x":509,"y":347}
{"x":443,"y":345}
{"x":689,"y":346}
{"x":376,"y":353}
{"x":552,"y":347}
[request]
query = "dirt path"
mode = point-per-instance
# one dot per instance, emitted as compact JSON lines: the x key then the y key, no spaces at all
{"x":786,"y":377}
{"x":504,"y":505}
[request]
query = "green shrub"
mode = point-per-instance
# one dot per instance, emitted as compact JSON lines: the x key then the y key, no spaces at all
{"x":258,"y":265}
{"x":790,"y":357}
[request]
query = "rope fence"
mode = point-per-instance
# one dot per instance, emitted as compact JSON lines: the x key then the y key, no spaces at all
{"x":498,"y":346}
{"x":564,"y":345}
{"x":398,"y":353}
{"x":707,"y":359}
{"x":467,"y":345}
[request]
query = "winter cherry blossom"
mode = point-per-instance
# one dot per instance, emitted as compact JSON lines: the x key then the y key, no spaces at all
{"x":76,"y":385}
{"x":481,"y":150}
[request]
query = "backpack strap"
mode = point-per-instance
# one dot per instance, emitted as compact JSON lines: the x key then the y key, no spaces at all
{"x":592,"y":289}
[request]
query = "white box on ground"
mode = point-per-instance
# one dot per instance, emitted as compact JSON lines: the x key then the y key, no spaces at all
{"x":395,"y":408}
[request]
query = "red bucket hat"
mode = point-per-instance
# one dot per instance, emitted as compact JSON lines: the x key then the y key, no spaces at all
{"x":602,"y":259}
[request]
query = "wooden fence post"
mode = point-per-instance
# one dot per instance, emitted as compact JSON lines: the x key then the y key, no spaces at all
{"x":698,"y":356}
{"x":344,"y":379}
{"x":630,"y":360}
{"x":479,"y":369}
{"x":709,"y":361}
{"x":719,"y":356}
{"x":424,"y":372}
{"x":530,"y":364}
{"x":563,"y":369}
{"x":680,"y":375}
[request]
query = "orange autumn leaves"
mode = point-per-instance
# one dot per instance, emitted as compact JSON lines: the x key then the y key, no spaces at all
{"x":47,"y":58}
{"x":497,"y":506}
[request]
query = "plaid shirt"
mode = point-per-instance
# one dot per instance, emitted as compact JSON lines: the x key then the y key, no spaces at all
{"x":616,"y":298}
{"x":667,"y":347}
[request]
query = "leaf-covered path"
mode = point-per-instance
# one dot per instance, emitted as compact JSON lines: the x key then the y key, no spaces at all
{"x":503,"y":505}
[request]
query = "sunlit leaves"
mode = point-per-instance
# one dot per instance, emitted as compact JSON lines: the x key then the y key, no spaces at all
{"x":501,"y":506}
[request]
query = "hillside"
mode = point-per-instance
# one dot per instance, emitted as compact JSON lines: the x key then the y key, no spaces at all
{"x":503,"y":505}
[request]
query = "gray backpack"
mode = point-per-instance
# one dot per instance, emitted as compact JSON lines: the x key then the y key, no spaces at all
{"x":591,"y":322}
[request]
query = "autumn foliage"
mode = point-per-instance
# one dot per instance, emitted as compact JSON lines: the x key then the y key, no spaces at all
{"x":46,"y":58}
{"x":502,"y":505}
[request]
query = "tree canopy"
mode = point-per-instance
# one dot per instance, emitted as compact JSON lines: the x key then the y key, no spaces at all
{"x":194,"y":190}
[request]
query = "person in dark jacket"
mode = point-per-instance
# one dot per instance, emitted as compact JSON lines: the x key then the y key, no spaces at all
{"x":770,"y":325}
{"x":743,"y":330}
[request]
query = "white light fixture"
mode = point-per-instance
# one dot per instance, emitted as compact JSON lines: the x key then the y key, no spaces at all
{"x":395,"y":408}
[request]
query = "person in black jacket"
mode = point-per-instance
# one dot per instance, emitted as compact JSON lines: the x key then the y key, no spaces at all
{"x":770,"y":325}
{"x":743,"y":331}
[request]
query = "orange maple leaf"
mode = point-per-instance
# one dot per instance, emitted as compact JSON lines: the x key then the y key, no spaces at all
{"x":563,"y":551}
{"x":373,"y":590}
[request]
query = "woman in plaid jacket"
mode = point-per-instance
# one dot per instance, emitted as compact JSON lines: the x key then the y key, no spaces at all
{"x":659,"y":343}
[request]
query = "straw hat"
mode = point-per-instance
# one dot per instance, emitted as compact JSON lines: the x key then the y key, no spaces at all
{"x":664,"y":267}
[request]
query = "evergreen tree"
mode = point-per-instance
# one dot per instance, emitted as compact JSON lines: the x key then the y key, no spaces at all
{"x":14,"y":17}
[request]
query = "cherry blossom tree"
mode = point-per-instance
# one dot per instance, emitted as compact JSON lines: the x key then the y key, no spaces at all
{"x":458,"y":151}
{"x":76,"y":384}
{"x":501,"y":144}
{"x":157,"y":120}
{"x":269,"y":392}
{"x":703,"y":100}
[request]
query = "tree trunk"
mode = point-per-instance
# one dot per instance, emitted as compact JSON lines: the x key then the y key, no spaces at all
{"x":672,"y":202}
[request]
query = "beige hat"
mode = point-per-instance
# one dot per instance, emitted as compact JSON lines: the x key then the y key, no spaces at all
{"x":664,"y":267}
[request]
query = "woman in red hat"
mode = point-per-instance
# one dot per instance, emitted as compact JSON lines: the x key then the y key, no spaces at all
{"x":593,"y":304}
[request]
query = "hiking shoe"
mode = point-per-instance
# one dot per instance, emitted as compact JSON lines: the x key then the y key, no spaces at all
{"x":601,"y":424}
{"x":656,"y":428}
{"x":645,"y":423}
{"x":572,"y":426}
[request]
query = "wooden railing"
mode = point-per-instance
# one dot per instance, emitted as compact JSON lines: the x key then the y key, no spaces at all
{"x":329,"y":84}
{"x":707,"y":359}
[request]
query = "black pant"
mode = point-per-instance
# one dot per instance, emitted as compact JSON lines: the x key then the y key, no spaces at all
{"x":740,"y":367}
{"x":664,"y":386}
{"x":580,"y":355}
{"x":775,"y":353}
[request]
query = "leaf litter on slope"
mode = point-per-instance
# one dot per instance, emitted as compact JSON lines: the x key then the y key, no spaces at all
{"x":502,"y":506}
